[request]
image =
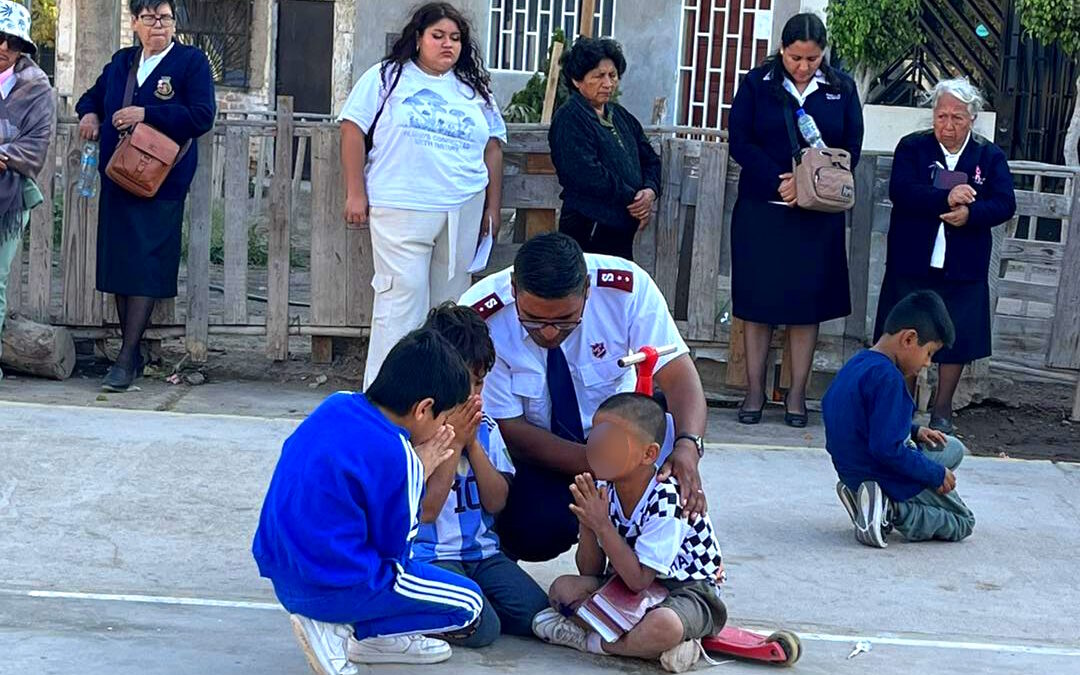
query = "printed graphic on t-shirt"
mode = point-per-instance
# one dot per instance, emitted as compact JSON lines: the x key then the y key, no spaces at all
{"x":446,"y":127}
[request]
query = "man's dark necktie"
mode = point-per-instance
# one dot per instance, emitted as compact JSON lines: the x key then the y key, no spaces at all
{"x":565,"y":416}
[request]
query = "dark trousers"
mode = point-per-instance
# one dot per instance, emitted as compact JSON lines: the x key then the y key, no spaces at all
{"x":597,"y":237}
{"x":511,"y":598}
{"x":537,"y":524}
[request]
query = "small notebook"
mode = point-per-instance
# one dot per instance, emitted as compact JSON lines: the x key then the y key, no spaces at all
{"x":947,"y":180}
{"x":614,"y":610}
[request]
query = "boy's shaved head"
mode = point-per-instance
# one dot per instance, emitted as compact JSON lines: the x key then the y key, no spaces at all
{"x":643,"y":412}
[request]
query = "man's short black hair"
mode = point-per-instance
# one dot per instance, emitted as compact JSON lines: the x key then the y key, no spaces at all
{"x":137,"y":6}
{"x":467,"y":331}
{"x":551,"y":266}
{"x":644,"y":412}
{"x":423,"y":364}
{"x":587,"y":53}
{"x":925,"y":313}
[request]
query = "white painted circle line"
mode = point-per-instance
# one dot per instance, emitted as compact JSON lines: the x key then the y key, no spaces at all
{"x":1037,"y":650}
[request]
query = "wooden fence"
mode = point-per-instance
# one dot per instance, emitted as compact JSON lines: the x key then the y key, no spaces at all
{"x":247,"y":174}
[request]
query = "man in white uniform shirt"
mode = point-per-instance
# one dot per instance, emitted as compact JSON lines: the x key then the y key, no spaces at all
{"x":560,"y":320}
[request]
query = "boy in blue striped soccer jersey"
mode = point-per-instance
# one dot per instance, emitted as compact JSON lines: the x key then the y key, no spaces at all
{"x":465,"y":493}
{"x":340,"y":517}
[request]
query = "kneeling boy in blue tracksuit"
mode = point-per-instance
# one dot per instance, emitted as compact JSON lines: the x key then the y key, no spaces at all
{"x":336,"y":530}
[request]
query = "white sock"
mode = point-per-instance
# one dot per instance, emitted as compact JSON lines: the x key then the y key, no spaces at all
{"x":594,"y":643}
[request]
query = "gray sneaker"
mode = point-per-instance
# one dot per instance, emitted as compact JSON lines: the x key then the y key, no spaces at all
{"x":848,"y":500}
{"x":870,"y":517}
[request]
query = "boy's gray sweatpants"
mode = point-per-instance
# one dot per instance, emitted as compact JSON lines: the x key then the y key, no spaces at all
{"x":929,"y":515}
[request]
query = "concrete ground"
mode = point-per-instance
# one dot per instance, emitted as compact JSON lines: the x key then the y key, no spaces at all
{"x":125,"y":534}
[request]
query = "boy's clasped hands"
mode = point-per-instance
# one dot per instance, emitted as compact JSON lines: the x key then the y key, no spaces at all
{"x":455,"y":436}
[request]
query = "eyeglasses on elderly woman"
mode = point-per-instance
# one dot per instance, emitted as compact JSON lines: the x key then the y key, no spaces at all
{"x":13,"y":43}
{"x":148,"y":20}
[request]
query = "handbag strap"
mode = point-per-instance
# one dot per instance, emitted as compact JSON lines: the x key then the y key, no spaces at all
{"x":789,"y":120}
{"x":370,"y":138}
{"x":129,"y":96}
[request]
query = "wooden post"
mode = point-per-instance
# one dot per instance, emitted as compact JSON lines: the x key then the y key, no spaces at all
{"x":237,"y":167}
{"x":668,"y":219}
{"x":736,"y":363}
{"x":82,"y":304}
{"x":554,"y":70}
{"x":1065,"y":332}
{"x":585,"y":23}
{"x":277,"y":314}
{"x":329,"y":242}
{"x":41,"y":237}
{"x":862,"y":220}
{"x":200,"y":210}
{"x":705,"y":262}
{"x":1075,"y":417}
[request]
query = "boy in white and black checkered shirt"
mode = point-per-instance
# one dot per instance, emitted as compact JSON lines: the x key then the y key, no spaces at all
{"x":632,"y":525}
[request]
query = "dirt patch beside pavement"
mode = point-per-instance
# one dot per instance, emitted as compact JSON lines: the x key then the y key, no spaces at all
{"x":1032,"y":422}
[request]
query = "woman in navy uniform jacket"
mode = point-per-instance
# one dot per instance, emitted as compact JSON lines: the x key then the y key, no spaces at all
{"x":939,"y":233}
{"x":789,"y":265}
{"x":138,"y":245}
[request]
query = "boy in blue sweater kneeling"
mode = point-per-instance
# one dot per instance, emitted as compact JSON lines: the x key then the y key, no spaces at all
{"x":466,"y":493}
{"x":893,"y":474}
{"x":337,"y":525}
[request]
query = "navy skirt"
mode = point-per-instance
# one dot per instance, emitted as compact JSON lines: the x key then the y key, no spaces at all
{"x":138,"y":243}
{"x":788,"y":266}
{"x":968,"y":303}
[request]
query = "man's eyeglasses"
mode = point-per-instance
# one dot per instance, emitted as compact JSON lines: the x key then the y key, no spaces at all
{"x":561,"y":326}
{"x":167,"y":20}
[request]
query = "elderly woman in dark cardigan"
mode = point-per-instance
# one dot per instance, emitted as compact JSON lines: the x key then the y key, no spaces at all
{"x":609,"y":172}
{"x":138,"y":245}
{"x":949,"y":187}
{"x":27,"y":108}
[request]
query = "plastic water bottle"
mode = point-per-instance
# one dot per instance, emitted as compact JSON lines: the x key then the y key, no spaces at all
{"x":88,"y":171}
{"x":808,"y":129}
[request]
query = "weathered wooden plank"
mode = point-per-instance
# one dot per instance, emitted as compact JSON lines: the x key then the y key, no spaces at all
{"x":298,"y":171}
{"x":82,"y":304}
{"x":708,"y":238}
{"x":15,"y":282}
{"x":539,"y":221}
{"x":861,"y":219}
{"x":736,"y":366}
{"x":1032,"y":252}
{"x":586,"y":18}
{"x":1023,"y":326}
{"x":277,"y":310}
{"x":552,"y":83}
{"x":329,"y":270}
{"x":39,"y":280}
{"x":200,"y":212}
{"x":1042,"y":204}
{"x":524,"y":191}
{"x":1014,"y":289}
{"x":667,"y":224}
{"x":322,"y":349}
{"x":1065,"y":337}
{"x":237,"y":167}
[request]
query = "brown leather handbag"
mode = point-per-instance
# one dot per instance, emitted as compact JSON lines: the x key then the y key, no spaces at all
{"x":823,"y":178}
{"x":144,"y":156}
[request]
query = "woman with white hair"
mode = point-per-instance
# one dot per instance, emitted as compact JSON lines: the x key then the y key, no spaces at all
{"x":949,"y":186}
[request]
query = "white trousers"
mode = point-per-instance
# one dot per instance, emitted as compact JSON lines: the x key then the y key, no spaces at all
{"x":420,"y":261}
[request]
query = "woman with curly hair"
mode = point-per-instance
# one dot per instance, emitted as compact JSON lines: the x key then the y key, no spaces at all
{"x":421,"y":146}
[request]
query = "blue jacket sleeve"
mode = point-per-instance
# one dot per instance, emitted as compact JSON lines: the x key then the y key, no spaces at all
{"x":184,"y":121}
{"x":910,"y":188}
{"x":889,"y":433}
{"x":853,"y":127}
{"x":751,"y":158}
{"x":394,"y":513}
{"x":1000,"y":205}
{"x":93,"y":100}
{"x":577,"y":163}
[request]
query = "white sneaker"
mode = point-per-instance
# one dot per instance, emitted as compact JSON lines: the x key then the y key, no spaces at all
{"x":324,"y":645}
{"x":554,"y":628}
{"x":682,"y":657}
{"x":415,"y":649}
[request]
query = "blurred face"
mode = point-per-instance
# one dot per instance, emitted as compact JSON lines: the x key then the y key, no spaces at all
{"x":616,"y":448}
{"x":802,"y":59}
{"x":155,"y":28}
{"x":10,"y":51}
{"x":600,"y":83}
{"x":439,"y":46}
{"x":952,"y":122}
{"x":549,"y":322}
{"x":913,"y":357}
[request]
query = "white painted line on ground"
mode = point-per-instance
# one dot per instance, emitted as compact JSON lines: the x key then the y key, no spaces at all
{"x":1037,"y":650}
{"x":170,"y":413}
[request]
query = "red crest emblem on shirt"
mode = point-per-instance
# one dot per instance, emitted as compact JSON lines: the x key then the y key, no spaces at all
{"x":620,"y":279}
{"x":599,"y":350}
{"x":488,"y":305}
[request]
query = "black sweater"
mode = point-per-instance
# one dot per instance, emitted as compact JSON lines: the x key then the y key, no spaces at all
{"x":600,"y":176}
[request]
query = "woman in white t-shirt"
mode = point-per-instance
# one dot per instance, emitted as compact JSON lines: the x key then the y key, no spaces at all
{"x":421,"y":139}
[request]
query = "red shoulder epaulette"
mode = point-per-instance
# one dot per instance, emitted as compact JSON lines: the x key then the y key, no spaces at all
{"x":620,"y":279}
{"x":488,"y":305}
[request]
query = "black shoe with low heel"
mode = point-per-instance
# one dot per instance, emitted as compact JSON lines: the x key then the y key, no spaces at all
{"x":796,"y":420}
{"x":750,"y":416}
{"x":119,"y":378}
